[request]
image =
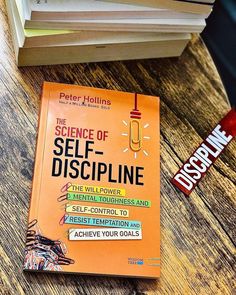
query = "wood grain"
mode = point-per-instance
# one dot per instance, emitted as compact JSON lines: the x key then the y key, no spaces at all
{"x":198,"y":233}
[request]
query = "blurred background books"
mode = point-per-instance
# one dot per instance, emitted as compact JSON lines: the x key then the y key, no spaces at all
{"x":72,"y":31}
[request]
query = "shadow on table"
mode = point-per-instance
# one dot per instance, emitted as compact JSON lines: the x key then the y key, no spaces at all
{"x":95,"y":285}
{"x":220,"y":38}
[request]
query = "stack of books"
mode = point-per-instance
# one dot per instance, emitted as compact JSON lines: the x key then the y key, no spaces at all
{"x":73,"y":31}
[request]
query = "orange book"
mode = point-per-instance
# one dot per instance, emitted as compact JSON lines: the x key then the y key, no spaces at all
{"x":95,"y":203}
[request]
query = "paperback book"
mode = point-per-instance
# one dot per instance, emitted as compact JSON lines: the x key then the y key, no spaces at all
{"x":93,"y":9}
{"x":191,"y":6}
{"x":44,"y":47}
{"x":80,"y":31}
{"x":95,"y":203}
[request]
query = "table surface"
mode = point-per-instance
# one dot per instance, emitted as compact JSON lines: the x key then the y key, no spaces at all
{"x":198,"y":233}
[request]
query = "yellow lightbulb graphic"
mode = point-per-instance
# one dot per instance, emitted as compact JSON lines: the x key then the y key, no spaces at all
{"x":135,"y":136}
{"x":135,"y":132}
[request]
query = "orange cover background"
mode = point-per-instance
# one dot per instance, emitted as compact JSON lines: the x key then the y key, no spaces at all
{"x":100,"y":257}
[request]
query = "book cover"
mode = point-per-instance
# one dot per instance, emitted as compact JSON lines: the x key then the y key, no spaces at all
{"x":95,"y":203}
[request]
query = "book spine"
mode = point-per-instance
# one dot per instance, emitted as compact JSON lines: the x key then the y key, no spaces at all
{"x":26,"y":9}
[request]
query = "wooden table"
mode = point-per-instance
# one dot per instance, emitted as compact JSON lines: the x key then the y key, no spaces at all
{"x":198,"y":233}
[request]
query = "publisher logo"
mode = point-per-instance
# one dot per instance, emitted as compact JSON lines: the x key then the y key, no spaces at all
{"x":136,"y":261}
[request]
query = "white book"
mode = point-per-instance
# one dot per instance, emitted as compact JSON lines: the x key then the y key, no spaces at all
{"x":192,"y":6}
{"x":43,"y":38}
{"x":93,"y":53}
{"x":132,"y":25}
{"x":95,"y":9}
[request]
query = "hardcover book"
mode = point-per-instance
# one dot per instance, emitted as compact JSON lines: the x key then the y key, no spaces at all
{"x":95,"y":203}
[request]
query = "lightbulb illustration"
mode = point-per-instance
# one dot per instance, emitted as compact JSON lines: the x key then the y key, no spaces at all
{"x":135,"y":133}
{"x":135,"y":129}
